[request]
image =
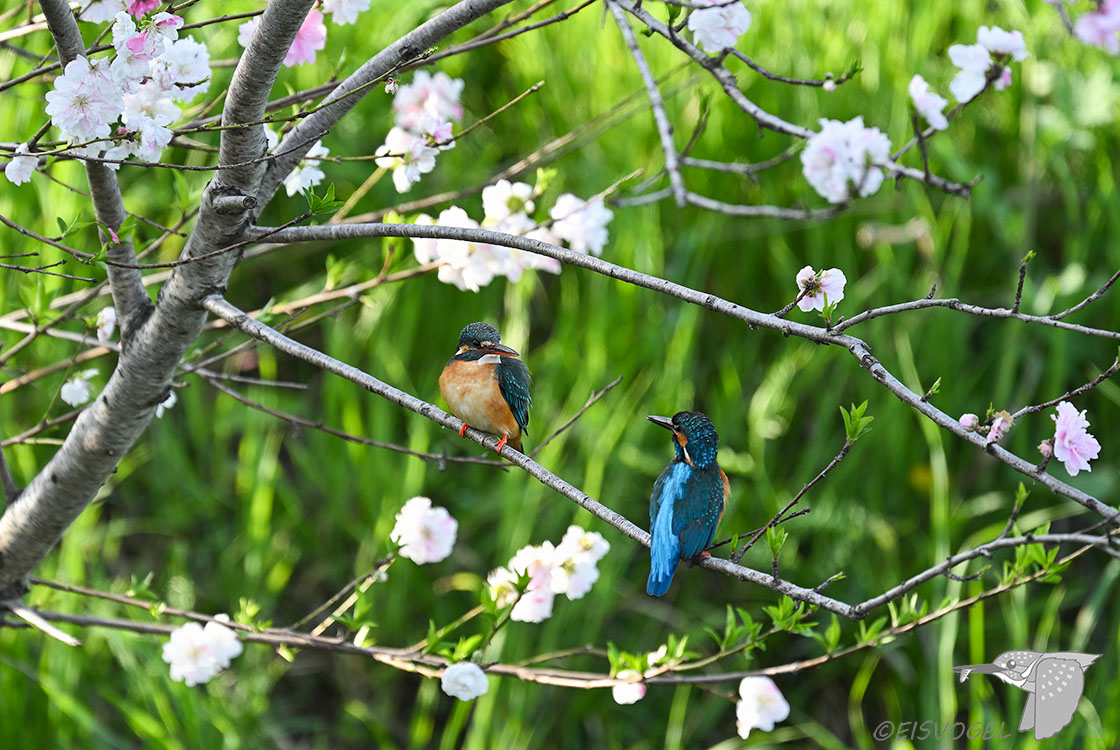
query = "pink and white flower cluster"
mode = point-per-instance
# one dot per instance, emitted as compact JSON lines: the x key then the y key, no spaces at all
{"x":508,"y":208}
{"x":196,"y":653}
{"x":425,"y":534}
{"x":994,"y":427}
{"x":569,"y":568}
{"x":1072,"y":444}
{"x":761,"y":705}
{"x":424,"y":111}
{"x":843,"y":158}
{"x":720,"y":26}
{"x":1101,"y":28}
{"x":988,"y":57}
{"x":311,"y":37}
{"x":150,"y":70}
{"x":819,"y":287}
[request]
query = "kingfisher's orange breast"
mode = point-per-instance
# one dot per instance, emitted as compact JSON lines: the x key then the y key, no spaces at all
{"x":472,"y":393}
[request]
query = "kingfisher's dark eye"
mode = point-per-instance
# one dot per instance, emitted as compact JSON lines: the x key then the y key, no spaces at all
{"x":1011,"y":664}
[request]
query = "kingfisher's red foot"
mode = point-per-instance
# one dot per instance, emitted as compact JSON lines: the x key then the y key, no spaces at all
{"x":705,"y":554}
{"x":463,"y":429}
{"x":501,"y":443}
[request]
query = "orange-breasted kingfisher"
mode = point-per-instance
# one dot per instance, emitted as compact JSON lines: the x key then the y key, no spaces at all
{"x":487,"y":386}
{"x":688,"y":498}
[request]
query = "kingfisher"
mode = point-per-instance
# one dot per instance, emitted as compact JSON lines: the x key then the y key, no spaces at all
{"x":688,"y":498}
{"x":1053,"y":682}
{"x":487,"y":386}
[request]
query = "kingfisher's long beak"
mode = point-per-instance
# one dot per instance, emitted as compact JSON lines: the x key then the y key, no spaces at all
{"x":965,"y":670}
{"x":663,"y":422}
{"x":502,"y":350}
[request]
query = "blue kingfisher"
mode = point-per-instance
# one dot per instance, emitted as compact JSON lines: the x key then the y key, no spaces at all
{"x":688,"y":498}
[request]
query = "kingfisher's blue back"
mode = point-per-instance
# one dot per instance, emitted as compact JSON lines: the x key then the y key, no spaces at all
{"x":688,"y":498}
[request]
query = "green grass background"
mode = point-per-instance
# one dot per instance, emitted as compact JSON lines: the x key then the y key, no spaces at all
{"x":221,"y":502}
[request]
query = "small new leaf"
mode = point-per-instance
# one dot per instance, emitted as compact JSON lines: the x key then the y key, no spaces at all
{"x":855,"y":423}
{"x":325,"y":204}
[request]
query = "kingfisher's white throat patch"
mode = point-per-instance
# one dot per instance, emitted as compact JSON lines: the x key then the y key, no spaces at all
{"x":490,"y":359}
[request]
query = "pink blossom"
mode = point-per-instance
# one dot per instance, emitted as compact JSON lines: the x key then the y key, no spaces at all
{"x":1046,"y":448}
{"x":819,"y":285}
{"x":311,"y":37}
{"x":140,"y":7}
{"x":436,"y":95}
{"x":1100,"y":28}
{"x":829,"y":85}
{"x":426,"y":534}
{"x":1001,"y":423}
{"x":970,"y":422}
{"x":1073,"y":445}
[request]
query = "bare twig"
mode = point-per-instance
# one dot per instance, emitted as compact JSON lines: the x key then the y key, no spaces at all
{"x":1071,"y":394}
{"x":664,"y":127}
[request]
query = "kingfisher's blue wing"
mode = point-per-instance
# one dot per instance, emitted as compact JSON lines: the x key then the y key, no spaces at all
{"x":514,"y":381}
{"x":664,"y":547}
{"x":697,"y":512}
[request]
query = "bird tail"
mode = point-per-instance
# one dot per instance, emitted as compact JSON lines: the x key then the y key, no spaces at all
{"x":659,"y":582}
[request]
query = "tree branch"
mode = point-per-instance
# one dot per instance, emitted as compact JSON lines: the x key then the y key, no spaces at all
{"x":664,"y":127}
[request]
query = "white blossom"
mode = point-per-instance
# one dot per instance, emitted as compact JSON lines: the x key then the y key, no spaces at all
{"x":718,"y":27}
{"x":100,"y":11}
{"x":408,"y":155}
{"x":19,"y":169}
{"x":1000,"y":42}
{"x":582,"y":224}
{"x":504,"y":199}
{"x":844,"y":156}
{"x":974,"y":61}
{"x":345,"y":11}
{"x":465,"y":681}
{"x":629,"y":692}
{"x":928,"y":103}
{"x":761,"y":705}
{"x":78,"y":390}
{"x":183,"y":70}
{"x":196,"y":653}
{"x":425,"y":534}
{"x":106,"y":322}
{"x":166,"y":404}
{"x":307,"y":172}
{"x":84,"y":100}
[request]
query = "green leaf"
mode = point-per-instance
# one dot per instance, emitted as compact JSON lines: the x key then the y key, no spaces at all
{"x":855,"y":423}
{"x":776,"y":539}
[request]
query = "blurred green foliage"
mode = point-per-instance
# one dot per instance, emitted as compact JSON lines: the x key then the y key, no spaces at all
{"x":223,"y":503}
